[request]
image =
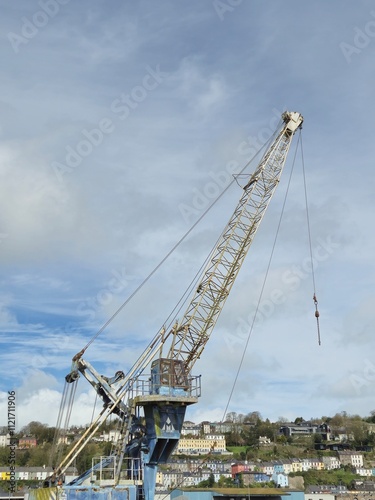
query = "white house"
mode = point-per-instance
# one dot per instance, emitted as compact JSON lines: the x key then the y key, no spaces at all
{"x":351,"y":458}
{"x":4,"y":440}
{"x":306,"y":464}
{"x":111,"y":436}
{"x":361,"y":471}
{"x":331,"y":463}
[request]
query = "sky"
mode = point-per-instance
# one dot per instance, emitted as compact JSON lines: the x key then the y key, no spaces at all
{"x":121,"y":123}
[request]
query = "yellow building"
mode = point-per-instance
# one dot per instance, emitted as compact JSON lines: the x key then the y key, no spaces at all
{"x":296,"y":465}
{"x":214,"y":443}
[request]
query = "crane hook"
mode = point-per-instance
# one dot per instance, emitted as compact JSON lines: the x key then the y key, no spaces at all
{"x":317,"y":317}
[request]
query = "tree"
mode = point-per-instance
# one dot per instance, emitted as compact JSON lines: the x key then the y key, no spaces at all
{"x":358,"y":429}
{"x":84,"y":459}
{"x":337,"y":420}
{"x":4,"y":455}
{"x":282,"y":420}
{"x":231,"y":417}
{"x":281,"y":439}
{"x":24,"y":457}
{"x":39,"y":456}
{"x":207,"y":483}
{"x":267,"y":429}
{"x":317,"y":438}
{"x":211,"y":480}
{"x":254,"y":417}
{"x":41,"y":432}
{"x":225,"y":482}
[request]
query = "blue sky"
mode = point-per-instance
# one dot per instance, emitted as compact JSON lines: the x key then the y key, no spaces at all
{"x":119,"y":121}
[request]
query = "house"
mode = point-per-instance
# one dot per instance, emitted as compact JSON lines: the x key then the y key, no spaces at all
{"x":351,"y":458}
{"x":214,"y":443}
{"x":4,"y":474}
{"x":110,"y":437}
{"x":337,"y":446}
{"x":325,"y":431}
{"x":280,"y":480}
{"x":317,"y":464}
{"x":237,"y":468}
{"x":207,"y":473}
{"x":189,"y":429}
{"x":320,"y":489}
{"x":27,"y":442}
{"x":4,"y":440}
{"x":264,"y":441}
{"x":34,"y":473}
{"x":288,"y":467}
{"x":319,"y":496}
{"x":300,"y":429}
{"x":206,"y":427}
{"x":364,"y":486}
{"x":220,"y":427}
{"x":296,"y":465}
{"x":219,"y":466}
{"x":159,"y":478}
{"x":171,"y":479}
{"x":24,"y":474}
{"x":278,"y":467}
{"x":182,"y":465}
{"x":306,"y":464}
{"x":235,"y":494}
{"x":331,"y":463}
{"x":251,"y":477}
{"x":189,"y":480}
{"x":39,"y":473}
{"x":362,"y":471}
{"x":267,"y":467}
{"x":340,"y":434}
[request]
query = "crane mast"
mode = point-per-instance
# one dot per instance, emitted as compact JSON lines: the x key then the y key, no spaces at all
{"x":151,"y":406}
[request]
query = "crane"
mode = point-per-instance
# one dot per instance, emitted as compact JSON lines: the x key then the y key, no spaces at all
{"x":151,"y":405}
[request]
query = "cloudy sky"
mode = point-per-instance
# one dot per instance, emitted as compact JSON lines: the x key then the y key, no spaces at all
{"x":120,"y":123}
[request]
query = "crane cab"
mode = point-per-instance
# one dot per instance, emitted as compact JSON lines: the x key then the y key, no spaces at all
{"x":169,"y":378}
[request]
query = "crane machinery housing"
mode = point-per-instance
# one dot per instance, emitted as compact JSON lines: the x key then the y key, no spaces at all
{"x":150,"y":400}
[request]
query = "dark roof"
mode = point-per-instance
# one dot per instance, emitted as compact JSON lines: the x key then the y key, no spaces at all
{"x":242,"y":491}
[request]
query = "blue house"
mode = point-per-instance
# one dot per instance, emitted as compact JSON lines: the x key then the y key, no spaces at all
{"x":281,"y":480}
{"x":251,"y":477}
{"x":278,"y":467}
